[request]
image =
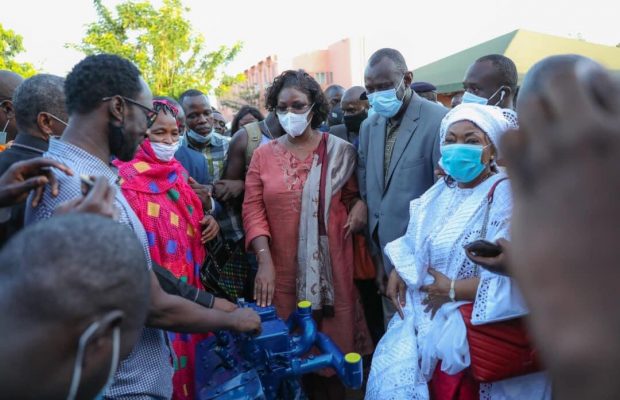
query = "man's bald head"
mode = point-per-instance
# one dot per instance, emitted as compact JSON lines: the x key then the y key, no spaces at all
{"x":352,"y":102}
{"x":354,"y":109}
{"x":353,"y":93}
{"x":533,"y":82}
{"x":58,"y":278}
{"x":85,"y":276}
{"x":9,"y":81}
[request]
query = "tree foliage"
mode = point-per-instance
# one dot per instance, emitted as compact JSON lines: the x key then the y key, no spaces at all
{"x":162,"y":43}
{"x":11,"y":45}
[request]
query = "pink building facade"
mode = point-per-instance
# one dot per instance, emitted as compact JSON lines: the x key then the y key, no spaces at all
{"x":341,"y":63}
{"x":252,"y":91}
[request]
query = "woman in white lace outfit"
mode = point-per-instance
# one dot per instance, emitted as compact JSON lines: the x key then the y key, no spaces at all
{"x":430,"y":257}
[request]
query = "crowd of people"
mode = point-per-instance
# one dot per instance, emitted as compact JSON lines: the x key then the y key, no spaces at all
{"x":464,"y":251}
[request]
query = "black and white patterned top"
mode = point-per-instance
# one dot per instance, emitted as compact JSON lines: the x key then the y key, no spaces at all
{"x":147,"y":372}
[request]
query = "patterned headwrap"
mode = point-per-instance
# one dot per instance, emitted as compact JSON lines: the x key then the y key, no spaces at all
{"x":167,"y":106}
{"x":490,"y":119}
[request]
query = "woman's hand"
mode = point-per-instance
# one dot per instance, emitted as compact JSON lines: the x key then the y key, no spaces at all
{"x":438,"y":292}
{"x":358,"y":218}
{"x":494,"y":263}
{"x":396,"y":291}
{"x":211,"y":228}
{"x":265,"y":283}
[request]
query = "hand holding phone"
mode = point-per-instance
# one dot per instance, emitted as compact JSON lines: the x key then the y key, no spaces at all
{"x":488,"y":255}
{"x":483,"y":248}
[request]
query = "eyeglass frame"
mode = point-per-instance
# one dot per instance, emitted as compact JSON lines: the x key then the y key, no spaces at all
{"x":286,"y":110}
{"x":149,"y":113}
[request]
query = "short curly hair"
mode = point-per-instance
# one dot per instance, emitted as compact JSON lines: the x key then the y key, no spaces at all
{"x":303,"y":82}
{"x":99,"y":76}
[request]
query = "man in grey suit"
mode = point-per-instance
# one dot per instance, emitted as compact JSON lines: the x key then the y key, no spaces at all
{"x":398,"y":149}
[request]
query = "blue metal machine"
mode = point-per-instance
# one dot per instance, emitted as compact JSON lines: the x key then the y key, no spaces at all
{"x":268,"y":366}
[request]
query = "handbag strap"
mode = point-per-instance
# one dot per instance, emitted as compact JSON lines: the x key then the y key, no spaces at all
{"x":487,"y":211}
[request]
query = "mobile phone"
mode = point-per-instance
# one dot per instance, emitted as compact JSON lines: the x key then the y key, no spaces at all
{"x":483,"y":248}
{"x":87,"y":184}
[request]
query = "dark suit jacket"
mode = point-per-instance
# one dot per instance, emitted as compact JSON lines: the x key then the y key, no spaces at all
{"x":24,"y":148}
{"x":411,"y":169}
{"x":195,"y":164}
{"x":27,"y":147}
{"x":340,"y":131}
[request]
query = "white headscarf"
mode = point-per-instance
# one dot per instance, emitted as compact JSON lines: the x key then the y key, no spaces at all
{"x":490,"y":119}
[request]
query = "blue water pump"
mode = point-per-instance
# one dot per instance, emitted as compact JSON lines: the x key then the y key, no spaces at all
{"x":268,"y":366}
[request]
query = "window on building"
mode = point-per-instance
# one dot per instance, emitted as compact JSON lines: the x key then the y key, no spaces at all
{"x":330,"y":78}
{"x":320,"y":78}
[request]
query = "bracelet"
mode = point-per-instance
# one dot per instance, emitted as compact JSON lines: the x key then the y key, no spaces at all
{"x":452,"y":292}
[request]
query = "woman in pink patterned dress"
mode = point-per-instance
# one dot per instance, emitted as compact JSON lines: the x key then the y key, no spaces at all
{"x":301,"y":206}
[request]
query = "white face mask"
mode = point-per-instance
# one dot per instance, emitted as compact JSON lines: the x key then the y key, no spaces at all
{"x":294,"y":124}
{"x":164,"y":151}
{"x":79,"y":359}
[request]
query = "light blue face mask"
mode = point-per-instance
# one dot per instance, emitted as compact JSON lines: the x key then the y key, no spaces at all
{"x":385,"y":102}
{"x":3,"y":133}
{"x":197,"y":137}
{"x":463,"y":162}
{"x":469,"y":97}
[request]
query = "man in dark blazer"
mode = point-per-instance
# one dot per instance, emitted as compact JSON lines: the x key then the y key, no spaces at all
{"x":354,"y":106}
{"x":398,"y":148}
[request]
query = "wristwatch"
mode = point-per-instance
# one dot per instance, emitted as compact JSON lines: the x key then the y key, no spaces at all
{"x":452,"y":293}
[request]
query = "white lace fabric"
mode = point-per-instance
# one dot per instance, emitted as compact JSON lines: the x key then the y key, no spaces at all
{"x":441,"y":222}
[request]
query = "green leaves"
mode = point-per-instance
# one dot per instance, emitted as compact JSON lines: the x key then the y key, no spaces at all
{"x":162,"y":43}
{"x":10,"y":46}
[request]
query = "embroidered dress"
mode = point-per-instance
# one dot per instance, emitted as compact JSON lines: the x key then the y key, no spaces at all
{"x":171,"y":212}
{"x":442,"y":221}
{"x":272,"y":207}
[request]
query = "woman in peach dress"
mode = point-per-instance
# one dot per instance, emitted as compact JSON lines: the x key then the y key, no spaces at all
{"x":301,"y":206}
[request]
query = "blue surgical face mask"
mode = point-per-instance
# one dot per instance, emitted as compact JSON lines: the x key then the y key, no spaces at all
{"x":197,"y":137}
{"x":463,"y":162}
{"x":469,"y":97}
{"x":3,"y":133}
{"x":385,"y":102}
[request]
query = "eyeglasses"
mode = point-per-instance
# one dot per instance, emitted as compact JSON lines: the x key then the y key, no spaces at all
{"x":295,"y":108}
{"x":149,"y":113}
